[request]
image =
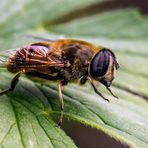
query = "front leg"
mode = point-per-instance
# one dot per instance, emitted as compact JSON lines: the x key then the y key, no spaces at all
{"x":96,"y":90}
{"x":83,"y":80}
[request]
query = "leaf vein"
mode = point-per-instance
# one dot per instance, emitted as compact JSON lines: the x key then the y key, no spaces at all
{"x":7,"y":133}
{"x":17,"y":123}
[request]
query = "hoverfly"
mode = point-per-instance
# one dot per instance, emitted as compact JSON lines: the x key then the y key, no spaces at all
{"x":64,"y":61}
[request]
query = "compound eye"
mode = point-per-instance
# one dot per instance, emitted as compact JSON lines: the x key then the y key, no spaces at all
{"x":99,"y":64}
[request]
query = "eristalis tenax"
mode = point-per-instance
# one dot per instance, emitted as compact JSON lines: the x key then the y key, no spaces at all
{"x":64,"y":61}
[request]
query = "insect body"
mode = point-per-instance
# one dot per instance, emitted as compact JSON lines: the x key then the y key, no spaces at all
{"x":63,"y":61}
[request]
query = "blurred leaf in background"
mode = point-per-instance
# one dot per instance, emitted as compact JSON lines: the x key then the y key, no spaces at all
{"x":26,"y":114}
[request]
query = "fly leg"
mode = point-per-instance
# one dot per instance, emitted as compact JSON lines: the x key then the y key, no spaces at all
{"x":14,"y":82}
{"x":83,"y":80}
{"x":111,"y":92}
{"x":96,"y":90}
{"x":61,"y":104}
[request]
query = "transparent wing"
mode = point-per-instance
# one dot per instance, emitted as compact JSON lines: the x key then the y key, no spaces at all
{"x":5,"y":55}
{"x":38,"y":56}
{"x":31,"y":56}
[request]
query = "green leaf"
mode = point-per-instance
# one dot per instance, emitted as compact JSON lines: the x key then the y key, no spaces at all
{"x":27,"y":13}
{"x":115,"y":24}
{"x":26,"y":115}
{"x":23,"y":114}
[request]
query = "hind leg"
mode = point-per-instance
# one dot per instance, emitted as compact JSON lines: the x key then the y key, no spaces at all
{"x":61,"y":104}
{"x":14,"y":82}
